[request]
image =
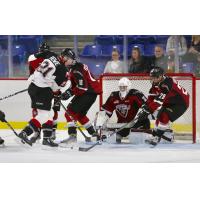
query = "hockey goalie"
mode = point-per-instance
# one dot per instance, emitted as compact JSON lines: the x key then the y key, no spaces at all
{"x":125,"y":102}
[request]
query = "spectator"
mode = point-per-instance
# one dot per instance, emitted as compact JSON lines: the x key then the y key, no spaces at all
{"x":192,"y":55}
{"x":115,"y":65}
{"x":159,"y":59}
{"x":195,"y":46}
{"x":138,"y":63}
{"x":197,"y":68}
{"x":171,"y":44}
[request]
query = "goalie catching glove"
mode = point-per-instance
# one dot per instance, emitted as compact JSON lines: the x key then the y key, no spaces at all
{"x":143,"y":113}
{"x":66,"y":95}
{"x":2,"y":116}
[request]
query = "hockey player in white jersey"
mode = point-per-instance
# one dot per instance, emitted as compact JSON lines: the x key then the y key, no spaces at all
{"x":44,"y":83}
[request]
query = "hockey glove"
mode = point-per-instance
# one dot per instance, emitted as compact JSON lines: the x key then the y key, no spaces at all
{"x":144,"y":113}
{"x":56,"y":105}
{"x":2,"y":116}
{"x":66,"y":95}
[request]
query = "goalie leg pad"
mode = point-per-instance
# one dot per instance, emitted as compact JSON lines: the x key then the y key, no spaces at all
{"x":137,"y":137}
{"x":169,"y":135}
{"x":111,"y":139}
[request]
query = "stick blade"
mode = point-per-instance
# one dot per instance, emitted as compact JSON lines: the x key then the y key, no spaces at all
{"x":83,"y":149}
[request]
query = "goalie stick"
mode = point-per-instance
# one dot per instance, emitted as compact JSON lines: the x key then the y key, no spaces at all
{"x":127,"y":125}
{"x":11,"y":95}
{"x":87,"y":139}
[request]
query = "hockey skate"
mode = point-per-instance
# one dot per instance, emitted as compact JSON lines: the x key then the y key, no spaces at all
{"x":24,"y":138}
{"x":49,"y":142}
{"x":53,"y":137}
{"x":35,"y":137}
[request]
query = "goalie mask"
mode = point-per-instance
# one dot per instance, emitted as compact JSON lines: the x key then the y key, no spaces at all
{"x":124,"y":87}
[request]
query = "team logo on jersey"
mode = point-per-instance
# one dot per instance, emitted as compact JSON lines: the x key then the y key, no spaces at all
{"x":123,"y":109}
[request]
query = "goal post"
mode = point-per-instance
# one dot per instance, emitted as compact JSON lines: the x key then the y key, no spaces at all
{"x":185,"y":126}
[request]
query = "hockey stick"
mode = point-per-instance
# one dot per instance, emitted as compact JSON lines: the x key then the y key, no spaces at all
{"x":150,"y":131}
{"x":127,"y":125}
{"x":87,"y":139}
{"x":9,"y":125}
{"x":13,"y":94}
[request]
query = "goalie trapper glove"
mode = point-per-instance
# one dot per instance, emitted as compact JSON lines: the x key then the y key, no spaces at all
{"x":66,"y":95}
{"x":144,"y":113}
{"x":2,"y":116}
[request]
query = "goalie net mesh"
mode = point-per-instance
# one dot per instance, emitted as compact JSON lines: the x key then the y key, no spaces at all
{"x":184,"y":127}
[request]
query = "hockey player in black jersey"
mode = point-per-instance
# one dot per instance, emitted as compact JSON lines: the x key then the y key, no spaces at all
{"x":44,"y":83}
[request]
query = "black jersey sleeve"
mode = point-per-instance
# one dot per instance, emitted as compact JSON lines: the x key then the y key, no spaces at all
{"x":166,"y":85}
{"x":60,"y":75}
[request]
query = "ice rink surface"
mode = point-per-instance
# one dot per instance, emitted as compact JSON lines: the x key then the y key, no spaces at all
{"x":179,"y":152}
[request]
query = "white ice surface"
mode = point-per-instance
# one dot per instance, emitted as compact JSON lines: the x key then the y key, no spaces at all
{"x":126,"y":153}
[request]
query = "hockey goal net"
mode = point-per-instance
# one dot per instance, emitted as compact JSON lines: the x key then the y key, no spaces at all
{"x":185,"y":126}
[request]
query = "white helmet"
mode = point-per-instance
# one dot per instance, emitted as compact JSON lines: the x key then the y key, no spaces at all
{"x":124,"y":86}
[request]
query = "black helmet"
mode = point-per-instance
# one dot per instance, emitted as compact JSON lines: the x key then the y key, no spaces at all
{"x":44,"y":47}
{"x":156,"y":72}
{"x":68,"y":53}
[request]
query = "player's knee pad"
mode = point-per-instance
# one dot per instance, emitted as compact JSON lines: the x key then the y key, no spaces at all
{"x":43,"y":116}
{"x":111,"y":139}
{"x":137,"y":137}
